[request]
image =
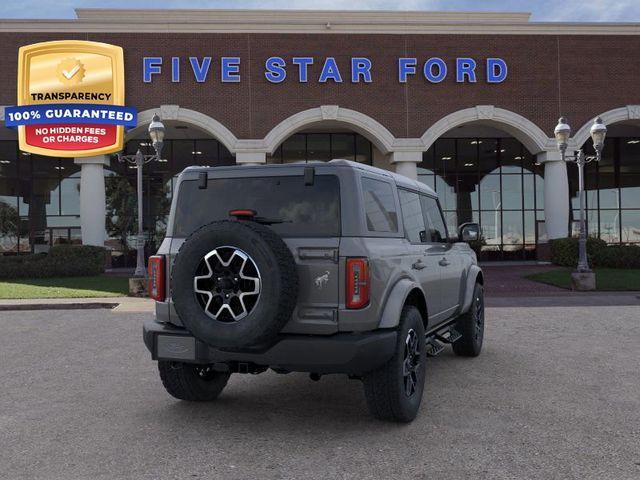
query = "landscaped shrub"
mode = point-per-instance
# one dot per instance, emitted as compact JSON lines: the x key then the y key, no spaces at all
{"x":564,"y":252}
{"x":61,"y":261}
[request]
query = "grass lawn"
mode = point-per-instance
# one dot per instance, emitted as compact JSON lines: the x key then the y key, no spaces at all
{"x":70,"y":287}
{"x":606,"y":278}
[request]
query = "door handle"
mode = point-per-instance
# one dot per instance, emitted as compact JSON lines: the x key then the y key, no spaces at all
{"x":418,"y":265}
{"x":444,"y":262}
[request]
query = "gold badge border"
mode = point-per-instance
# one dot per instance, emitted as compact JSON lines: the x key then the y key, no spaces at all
{"x":71,"y":47}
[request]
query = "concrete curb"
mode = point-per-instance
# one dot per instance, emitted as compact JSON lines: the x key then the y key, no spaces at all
{"x":57,"y":306}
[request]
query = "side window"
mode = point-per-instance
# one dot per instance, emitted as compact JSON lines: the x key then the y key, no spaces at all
{"x":437,"y":232}
{"x":380,"y":206}
{"x":412,"y":216}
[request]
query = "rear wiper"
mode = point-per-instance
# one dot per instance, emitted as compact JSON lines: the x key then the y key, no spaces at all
{"x":246,"y":214}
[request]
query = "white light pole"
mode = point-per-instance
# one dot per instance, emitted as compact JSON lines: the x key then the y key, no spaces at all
{"x":562,"y":133}
{"x":156,"y":133}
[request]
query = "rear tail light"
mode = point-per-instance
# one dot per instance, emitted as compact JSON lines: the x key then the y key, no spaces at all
{"x":357,"y":283}
{"x":156,"y":278}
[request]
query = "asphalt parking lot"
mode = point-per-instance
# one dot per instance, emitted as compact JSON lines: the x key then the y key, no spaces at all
{"x":555,"y":394}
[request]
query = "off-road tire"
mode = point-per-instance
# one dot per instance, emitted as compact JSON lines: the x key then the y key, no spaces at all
{"x":193,"y":383}
{"x":279,"y":284}
{"x":471,"y":326}
{"x":385,"y":388}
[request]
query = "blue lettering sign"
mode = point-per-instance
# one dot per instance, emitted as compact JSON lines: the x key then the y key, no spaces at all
{"x":275,"y":69}
{"x":360,"y":67}
{"x":330,"y":71}
{"x":200,"y":71}
{"x":230,"y":70}
{"x":151,"y":66}
{"x":428,"y":70}
{"x":496,"y":70}
{"x":175,"y":69}
{"x":303,"y":64}
{"x":406,"y":66}
{"x":465,"y":67}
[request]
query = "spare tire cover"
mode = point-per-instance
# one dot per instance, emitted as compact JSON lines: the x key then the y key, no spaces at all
{"x":234,"y":284}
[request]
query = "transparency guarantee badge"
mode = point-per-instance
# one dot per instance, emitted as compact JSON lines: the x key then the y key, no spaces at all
{"x":71,"y":99}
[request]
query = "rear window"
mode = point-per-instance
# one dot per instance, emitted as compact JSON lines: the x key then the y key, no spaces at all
{"x":302,"y":210}
{"x":379,"y":205}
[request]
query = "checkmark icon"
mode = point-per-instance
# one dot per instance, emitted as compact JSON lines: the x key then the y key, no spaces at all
{"x":71,"y":73}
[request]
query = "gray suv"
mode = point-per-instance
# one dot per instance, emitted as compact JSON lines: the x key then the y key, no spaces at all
{"x":323,"y":268}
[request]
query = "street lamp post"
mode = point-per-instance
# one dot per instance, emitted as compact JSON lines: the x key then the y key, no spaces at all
{"x":562,"y":133}
{"x":156,"y":133}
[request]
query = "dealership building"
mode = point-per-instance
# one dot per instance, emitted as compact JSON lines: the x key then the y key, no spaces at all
{"x":464,"y":102}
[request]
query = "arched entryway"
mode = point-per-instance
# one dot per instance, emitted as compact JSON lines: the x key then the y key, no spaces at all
{"x":185,"y":144}
{"x":39,"y":199}
{"x":329,"y":132}
{"x":485,"y":169}
{"x":613,"y":185}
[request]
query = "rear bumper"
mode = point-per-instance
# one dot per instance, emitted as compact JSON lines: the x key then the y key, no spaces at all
{"x":350,"y":353}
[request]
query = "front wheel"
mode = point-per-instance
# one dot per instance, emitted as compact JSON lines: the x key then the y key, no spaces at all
{"x":194,"y":383}
{"x":471,"y":326}
{"x":394,"y":391}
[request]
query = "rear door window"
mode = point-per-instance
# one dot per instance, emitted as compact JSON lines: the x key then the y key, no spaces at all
{"x":412,"y":217}
{"x":296,"y":209}
{"x":436,"y":229}
{"x":379,"y":205}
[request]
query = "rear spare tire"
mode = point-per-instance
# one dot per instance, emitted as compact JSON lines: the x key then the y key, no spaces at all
{"x":234,"y":284}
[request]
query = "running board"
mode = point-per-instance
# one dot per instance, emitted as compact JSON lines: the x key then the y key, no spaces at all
{"x":436,"y":341}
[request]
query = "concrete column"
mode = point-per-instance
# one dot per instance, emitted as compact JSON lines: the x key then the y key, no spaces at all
{"x":556,"y":194}
{"x":251,"y":158}
{"x":406,"y":163}
{"x":93,"y":209}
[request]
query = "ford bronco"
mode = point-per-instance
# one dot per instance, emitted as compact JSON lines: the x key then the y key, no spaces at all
{"x":322,"y":268}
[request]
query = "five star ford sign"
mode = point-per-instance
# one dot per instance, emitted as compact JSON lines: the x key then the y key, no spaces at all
{"x":70,"y":99}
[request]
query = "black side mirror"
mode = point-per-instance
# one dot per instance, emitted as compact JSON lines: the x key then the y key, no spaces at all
{"x":469,"y":232}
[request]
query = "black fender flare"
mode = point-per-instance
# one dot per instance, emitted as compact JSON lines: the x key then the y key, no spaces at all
{"x":395,"y":302}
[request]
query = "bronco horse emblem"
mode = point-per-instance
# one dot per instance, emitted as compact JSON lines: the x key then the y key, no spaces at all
{"x":322,"y":280}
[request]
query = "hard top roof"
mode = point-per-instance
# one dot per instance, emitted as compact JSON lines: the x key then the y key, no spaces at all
{"x":400,"y":180}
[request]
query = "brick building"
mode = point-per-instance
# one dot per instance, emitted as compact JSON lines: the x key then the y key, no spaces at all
{"x":465,"y":102}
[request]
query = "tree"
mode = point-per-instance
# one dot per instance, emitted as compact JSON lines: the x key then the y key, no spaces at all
{"x":122,"y":213}
{"x":9,"y":223}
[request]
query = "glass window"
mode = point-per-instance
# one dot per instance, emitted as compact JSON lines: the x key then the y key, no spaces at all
{"x":630,"y":190}
{"x":467,"y":192}
{"x":206,"y":152}
{"x":45,"y":166}
{"x":437,"y":232}
{"x":446,"y":191}
{"x":609,"y":226}
{"x":511,"y":155}
{"x":428,"y":160}
{"x":512,"y":192}
{"x":298,"y":210}
{"x":343,"y":145}
{"x":182,"y":156}
{"x":8,"y":159}
{"x":467,"y":154}
{"x":629,"y":155}
{"x":512,"y":228}
{"x":445,"y":156}
{"x":70,"y":196}
{"x":412,"y":217}
{"x":488,"y":156}
{"x":379,"y":204}
{"x":364,"y":150}
{"x":318,"y":147}
{"x":294,"y":149}
{"x":490,"y":198}
{"x":491,"y":223}
{"x":425,"y":177}
{"x":630,"y":226}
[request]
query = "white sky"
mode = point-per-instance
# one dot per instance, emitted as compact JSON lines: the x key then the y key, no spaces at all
{"x":543,"y":10}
